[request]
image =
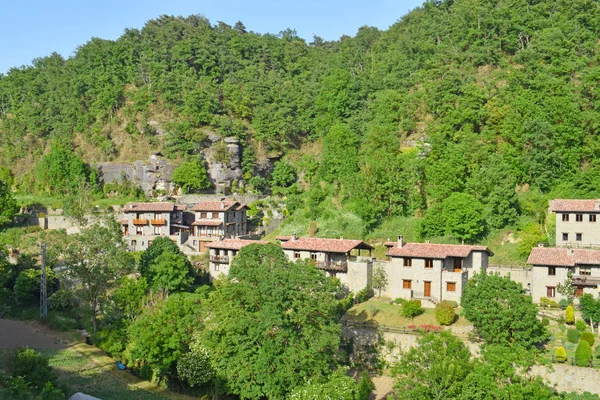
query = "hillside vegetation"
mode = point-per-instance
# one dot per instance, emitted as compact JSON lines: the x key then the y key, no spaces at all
{"x":468,"y":113}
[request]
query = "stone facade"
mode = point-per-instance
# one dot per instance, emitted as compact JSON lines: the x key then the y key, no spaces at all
{"x":221,"y":254}
{"x":217,"y":219}
{"x":431,"y":272}
{"x":550,"y":266}
{"x":576,"y":222}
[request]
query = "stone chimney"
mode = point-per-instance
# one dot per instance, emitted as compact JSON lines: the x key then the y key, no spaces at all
{"x":341,"y":238}
{"x":293,"y":238}
{"x":400,"y":241}
{"x":570,"y":252}
{"x":222,"y":205}
{"x":541,"y":244}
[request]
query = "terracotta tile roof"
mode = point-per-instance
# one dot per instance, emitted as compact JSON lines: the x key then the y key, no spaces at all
{"x":241,"y":206}
{"x":180,"y":207}
{"x":215,"y":205}
{"x":233,"y":244}
{"x":563,"y":256}
{"x":149,"y":207}
{"x":390,"y":244}
{"x":283,"y":238}
{"x":575,"y":205}
{"x":124,"y":221}
{"x":208,"y":222}
{"x":433,"y":250}
{"x":325,"y":245}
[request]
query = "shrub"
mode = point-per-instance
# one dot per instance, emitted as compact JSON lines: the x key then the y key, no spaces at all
{"x":411,"y":308}
{"x":398,"y":300}
{"x":51,"y":393}
{"x":453,"y":303}
{"x":560,"y":355}
{"x":545,"y":322}
{"x":364,"y":295}
{"x":444,"y":313}
{"x":563,"y":303}
{"x":62,"y":300}
{"x":588,"y":337}
{"x":365,"y":387}
{"x":546,"y":302}
{"x":146,"y":372}
{"x":583,"y":353}
{"x":573,"y":335}
{"x":570,"y":315}
{"x":580,"y":325}
{"x":30,"y":365}
{"x":373,"y":310}
{"x":62,"y":323}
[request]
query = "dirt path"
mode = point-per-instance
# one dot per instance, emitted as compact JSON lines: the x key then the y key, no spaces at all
{"x":21,"y":333}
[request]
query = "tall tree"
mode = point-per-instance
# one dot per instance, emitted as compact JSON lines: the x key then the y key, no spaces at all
{"x":287,"y":312}
{"x":95,"y":260}
{"x":501,"y":312}
{"x":8,"y":204}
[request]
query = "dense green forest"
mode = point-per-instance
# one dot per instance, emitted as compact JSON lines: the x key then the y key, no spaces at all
{"x":460,"y":105}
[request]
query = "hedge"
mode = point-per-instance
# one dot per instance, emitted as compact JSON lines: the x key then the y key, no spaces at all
{"x":573,"y":336}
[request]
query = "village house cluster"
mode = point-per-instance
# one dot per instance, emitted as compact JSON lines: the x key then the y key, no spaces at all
{"x":426,"y":271}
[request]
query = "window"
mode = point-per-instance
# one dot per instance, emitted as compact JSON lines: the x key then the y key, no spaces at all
{"x":565,"y":217}
{"x":585,"y":271}
{"x":579,"y":217}
{"x":134,"y":242}
{"x":149,"y":243}
{"x":139,"y":230}
{"x":216,"y":267}
{"x":157,"y":230}
{"x":408,"y":262}
{"x":551,"y":271}
{"x":592,"y":217}
{"x":458,"y":264}
{"x":450,"y":286}
{"x":296,"y":254}
{"x":550,"y":292}
{"x":203,"y":215}
{"x":579,"y":291}
{"x":139,"y":216}
{"x":195,"y":242}
{"x":578,"y":237}
{"x":157,"y":216}
{"x":565,"y":236}
{"x":313,"y":256}
{"x":406,"y":284}
{"x":215,"y":215}
{"x":428,"y":263}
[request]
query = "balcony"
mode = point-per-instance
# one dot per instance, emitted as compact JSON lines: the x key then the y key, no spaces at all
{"x":338,"y":266}
{"x":158,"y":222}
{"x":140,"y":221}
{"x":219,"y":259}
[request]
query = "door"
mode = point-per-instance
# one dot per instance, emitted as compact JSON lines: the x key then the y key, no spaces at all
{"x":427,"y":288}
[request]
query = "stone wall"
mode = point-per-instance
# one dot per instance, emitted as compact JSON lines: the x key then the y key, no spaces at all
{"x":518,"y":274}
{"x":569,"y":378}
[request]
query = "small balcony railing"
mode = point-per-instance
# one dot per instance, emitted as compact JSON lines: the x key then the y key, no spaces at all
{"x":340,"y":266}
{"x":159,"y":222}
{"x":140,"y":221}
{"x":219,"y":259}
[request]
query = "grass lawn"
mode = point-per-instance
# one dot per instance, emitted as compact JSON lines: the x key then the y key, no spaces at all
{"x":384,"y":313}
{"x":86,"y":369}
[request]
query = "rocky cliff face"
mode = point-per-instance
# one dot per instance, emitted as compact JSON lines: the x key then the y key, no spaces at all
{"x":223,"y":160}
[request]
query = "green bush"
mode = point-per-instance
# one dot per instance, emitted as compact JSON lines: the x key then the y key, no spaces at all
{"x":146,"y":372}
{"x":411,"y":308}
{"x":588,"y":337}
{"x":61,"y":322}
{"x":570,"y":315}
{"x":27,"y":285}
{"x":62,"y":300}
{"x":444,"y":313}
{"x":364,"y":295}
{"x":398,"y":300}
{"x":546,"y":302}
{"x":453,"y":303}
{"x":573,"y":335}
{"x":51,"y":393}
{"x":560,"y":355}
{"x":545,"y":322}
{"x":563,"y":303}
{"x":583,"y":354}
{"x":580,"y":325}
{"x":31,"y":365}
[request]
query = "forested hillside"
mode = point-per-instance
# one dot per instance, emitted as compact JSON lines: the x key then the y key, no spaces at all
{"x":451,"y":113}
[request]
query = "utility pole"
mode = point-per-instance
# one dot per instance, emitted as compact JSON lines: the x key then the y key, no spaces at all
{"x":43,"y":294}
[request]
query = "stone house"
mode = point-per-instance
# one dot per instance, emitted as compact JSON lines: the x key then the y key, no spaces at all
{"x":341,"y":258}
{"x":431,"y":272}
{"x":221,"y":253}
{"x":142,"y":222}
{"x":576,"y":222}
{"x":217,"y":219}
{"x":550,"y":266}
